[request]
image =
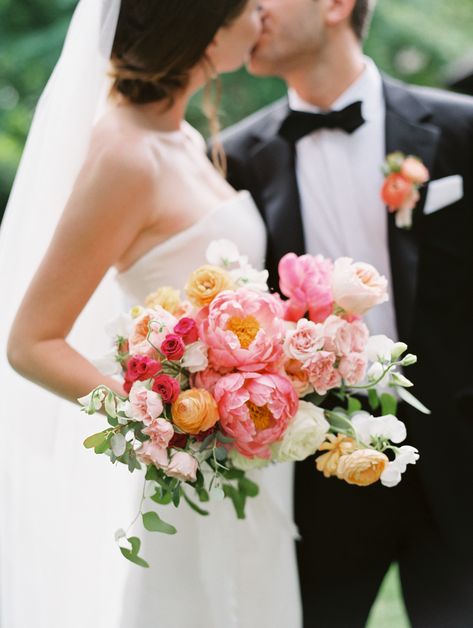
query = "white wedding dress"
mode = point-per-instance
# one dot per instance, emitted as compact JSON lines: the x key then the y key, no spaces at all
{"x":217,"y":571}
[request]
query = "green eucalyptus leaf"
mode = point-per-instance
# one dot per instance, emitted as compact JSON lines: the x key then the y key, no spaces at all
{"x":162,"y":497}
{"x":249,"y":488}
{"x":354,"y":405}
{"x":388,"y":404}
{"x":176,"y":496}
{"x":373,"y":399}
{"x":96,"y":440}
{"x":153,"y":523}
{"x":237,"y":498}
{"x":133,"y":558}
{"x":152,"y":473}
{"x":193,"y":505}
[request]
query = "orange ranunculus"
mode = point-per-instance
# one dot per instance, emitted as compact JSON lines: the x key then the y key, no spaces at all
{"x":194,"y":411}
{"x":396,"y":191}
{"x":362,"y":467}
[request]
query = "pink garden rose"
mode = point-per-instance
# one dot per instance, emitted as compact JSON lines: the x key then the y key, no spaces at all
{"x":357,"y":287}
{"x":255,"y":409}
{"x":173,"y":347}
{"x":337,"y":335}
{"x":183,"y":466}
{"x":244,"y":329}
{"x":151,"y":453}
{"x":303,"y":341}
{"x":322,"y":372}
{"x":305,"y":280}
{"x":352,"y":368}
{"x":359,"y":336}
{"x":144,"y":405}
{"x":160,"y":432}
{"x":150,"y":329}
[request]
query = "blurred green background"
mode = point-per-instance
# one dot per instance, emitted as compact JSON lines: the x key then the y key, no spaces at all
{"x":414,"y":40}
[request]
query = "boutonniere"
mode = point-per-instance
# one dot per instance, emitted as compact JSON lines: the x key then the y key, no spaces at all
{"x":404,"y":176}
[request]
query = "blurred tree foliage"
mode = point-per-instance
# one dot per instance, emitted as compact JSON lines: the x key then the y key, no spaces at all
{"x":410,"y":39}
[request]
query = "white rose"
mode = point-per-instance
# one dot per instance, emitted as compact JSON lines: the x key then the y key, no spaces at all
{"x":195,"y":357}
{"x":368,"y":427}
{"x":391,"y":476}
{"x":304,"y":435}
{"x":222,"y":253}
{"x":357,"y":287}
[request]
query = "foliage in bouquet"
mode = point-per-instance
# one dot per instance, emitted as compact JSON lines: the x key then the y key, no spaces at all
{"x":234,"y":378}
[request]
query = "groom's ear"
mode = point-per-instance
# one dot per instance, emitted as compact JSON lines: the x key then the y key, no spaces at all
{"x":339,"y":11}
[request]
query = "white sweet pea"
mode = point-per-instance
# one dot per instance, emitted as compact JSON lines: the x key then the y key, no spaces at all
{"x":108,"y":364}
{"x":120,"y":326}
{"x":379,"y":348}
{"x":397,"y":379}
{"x":391,"y":476}
{"x":93,"y":401}
{"x":248,"y":277}
{"x":304,"y":435}
{"x":368,"y":427}
{"x":195,"y":357}
{"x":222,"y":253}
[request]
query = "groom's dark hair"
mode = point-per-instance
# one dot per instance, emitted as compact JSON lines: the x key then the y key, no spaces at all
{"x":360,"y":18}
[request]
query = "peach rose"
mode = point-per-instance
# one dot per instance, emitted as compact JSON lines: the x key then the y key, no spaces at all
{"x":165,"y":297}
{"x":152,"y":453}
{"x":414,"y":170}
{"x":160,"y":432}
{"x":183,"y":466}
{"x":357,"y":287}
{"x":302,"y":342}
{"x":363,"y":467}
{"x":322,"y":372}
{"x":299,"y":378}
{"x":205,"y":283}
{"x":194,"y":411}
{"x":150,"y":328}
{"x":144,"y":405}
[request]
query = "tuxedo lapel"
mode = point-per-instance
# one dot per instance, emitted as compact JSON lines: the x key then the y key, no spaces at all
{"x":408,"y":129}
{"x":272,"y":162}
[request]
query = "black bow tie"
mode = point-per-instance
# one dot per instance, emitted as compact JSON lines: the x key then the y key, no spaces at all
{"x":300,"y":123}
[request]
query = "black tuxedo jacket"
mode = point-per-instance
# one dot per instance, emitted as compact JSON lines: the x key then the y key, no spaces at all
{"x":432,"y":272}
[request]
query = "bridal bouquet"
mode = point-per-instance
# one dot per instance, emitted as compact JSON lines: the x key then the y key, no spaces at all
{"x":234,"y":378}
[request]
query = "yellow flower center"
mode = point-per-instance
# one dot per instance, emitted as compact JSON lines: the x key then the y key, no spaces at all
{"x":260,"y":415}
{"x":245,"y":329}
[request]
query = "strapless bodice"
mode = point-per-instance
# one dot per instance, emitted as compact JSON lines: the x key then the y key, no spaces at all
{"x":171,"y":262}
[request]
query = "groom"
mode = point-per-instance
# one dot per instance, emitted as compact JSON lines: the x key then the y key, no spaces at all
{"x":317,"y":182}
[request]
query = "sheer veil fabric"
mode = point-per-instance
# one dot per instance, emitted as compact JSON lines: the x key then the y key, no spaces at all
{"x":58,"y":506}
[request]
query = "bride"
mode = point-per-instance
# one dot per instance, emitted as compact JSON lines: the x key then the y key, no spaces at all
{"x":114,"y":198}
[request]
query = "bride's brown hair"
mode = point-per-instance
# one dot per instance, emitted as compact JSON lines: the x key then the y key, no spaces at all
{"x":157,"y":43}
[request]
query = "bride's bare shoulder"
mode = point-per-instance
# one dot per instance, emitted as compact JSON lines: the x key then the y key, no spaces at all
{"x":120,"y":149}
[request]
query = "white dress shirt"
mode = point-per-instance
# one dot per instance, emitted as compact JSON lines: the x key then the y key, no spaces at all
{"x":339,"y":178}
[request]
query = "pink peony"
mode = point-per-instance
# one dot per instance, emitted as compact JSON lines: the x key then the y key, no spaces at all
{"x":352,"y":368}
{"x":183,"y":466}
{"x":168,"y":387}
{"x":357,"y":287}
{"x":322,"y":372}
{"x":160,"y":432}
{"x":305,"y":280}
{"x":151,"y":453}
{"x":255,"y":409}
{"x":206,"y":379}
{"x":244,"y":329}
{"x":144,"y":405}
{"x":303,"y":341}
{"x":187,"y":329}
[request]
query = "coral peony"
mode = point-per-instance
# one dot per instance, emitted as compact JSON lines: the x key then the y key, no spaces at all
{"x":255,"y":409}
{"x":244,"y":330}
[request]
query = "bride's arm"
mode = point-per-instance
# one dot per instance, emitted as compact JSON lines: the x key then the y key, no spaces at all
{"x":108,"y":208}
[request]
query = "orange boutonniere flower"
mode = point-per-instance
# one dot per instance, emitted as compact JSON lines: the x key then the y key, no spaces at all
{"x":404,"y":176}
